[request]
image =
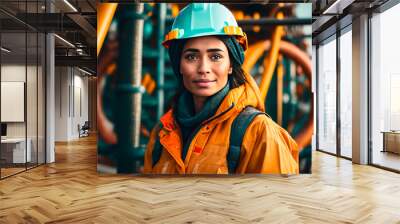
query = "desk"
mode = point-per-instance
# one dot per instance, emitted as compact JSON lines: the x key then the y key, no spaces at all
{"x":391,"y":141}
{"x":13,"y":150}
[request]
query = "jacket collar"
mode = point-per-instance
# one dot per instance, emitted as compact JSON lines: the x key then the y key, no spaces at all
{"x":234,"y":102}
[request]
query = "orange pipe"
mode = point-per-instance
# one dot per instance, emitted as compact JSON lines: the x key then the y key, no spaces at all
{"x":304,"y":138}
{"x":270,"y":61}
{"x":105,"y":13}
{"x":103,"y":124}
{"x":299,"y":57}
{"x":279,"y":106}
{"x":152,"y":86}
{"x":145,"y":81}
{"x":148,"y":83}
{"x":286,"y":48}
{"x":111,"y":69}
{"x":252,"y":54}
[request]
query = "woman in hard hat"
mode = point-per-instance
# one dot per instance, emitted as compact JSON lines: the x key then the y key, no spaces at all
{"x":218,"y":124}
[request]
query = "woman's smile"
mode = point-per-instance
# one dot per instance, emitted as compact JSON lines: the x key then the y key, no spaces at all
{"x":204,"y":83}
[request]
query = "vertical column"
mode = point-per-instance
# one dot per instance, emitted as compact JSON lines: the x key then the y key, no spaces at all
{"x":338,"y":99}
{"x":137,"y":73}
{"x":314,"y":91}
{"x":360,"y":90}
{"x":123,"y":110}
{"x":50,"y":92}
{"x":162,"y":8}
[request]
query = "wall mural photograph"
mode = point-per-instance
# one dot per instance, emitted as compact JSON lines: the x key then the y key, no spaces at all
{"x":204,"y":88}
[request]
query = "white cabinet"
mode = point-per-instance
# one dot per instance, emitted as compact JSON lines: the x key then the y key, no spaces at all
{"x":16,"y":147}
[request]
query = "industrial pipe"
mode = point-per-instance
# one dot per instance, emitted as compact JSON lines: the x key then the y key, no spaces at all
{"x":105,"y":14}
{"x":279,"y":103}
{"x":270,"y":61}
{"x":275,"y":22}
{"x":267,"y":21}
{"x":105,"y":127}
{"x":299,"y":57}
{"x":137,"y":73}
{"x":161,"y":15}
{"x":105,"y":67}
{"x":128,"y":86}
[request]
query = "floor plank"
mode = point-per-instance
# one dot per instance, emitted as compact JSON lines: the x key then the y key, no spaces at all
{"x":71,"y":191}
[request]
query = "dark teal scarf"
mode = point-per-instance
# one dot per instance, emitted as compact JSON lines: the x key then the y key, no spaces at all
{"x":185,"y":114}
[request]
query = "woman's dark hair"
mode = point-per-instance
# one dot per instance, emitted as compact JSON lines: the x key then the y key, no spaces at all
{"x":236,"y":57}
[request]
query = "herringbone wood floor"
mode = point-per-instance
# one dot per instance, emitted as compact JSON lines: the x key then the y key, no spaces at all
{"x":71,"y":191}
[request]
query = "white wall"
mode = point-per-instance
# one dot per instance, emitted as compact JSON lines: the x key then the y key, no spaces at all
{"x":61,"y":103}
{"x":71,"y":94}
{"x":80,"y":101}
{"x":16,"y":73}
{"x":13,"y":73}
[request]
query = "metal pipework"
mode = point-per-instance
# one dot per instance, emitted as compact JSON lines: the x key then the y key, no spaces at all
{"x":137,"y":74}
{"x":270,"y":61}
{"x":275,"y":22}
{"x":162,"y":11}
{"x":268,"y":21}
{"x":127,"y":85}
{"x":279,"y":104}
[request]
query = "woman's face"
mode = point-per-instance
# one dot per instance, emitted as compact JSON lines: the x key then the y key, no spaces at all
{"x":205,"y":65}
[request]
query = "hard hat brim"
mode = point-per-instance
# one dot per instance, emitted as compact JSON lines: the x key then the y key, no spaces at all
{"x":241,"y":39}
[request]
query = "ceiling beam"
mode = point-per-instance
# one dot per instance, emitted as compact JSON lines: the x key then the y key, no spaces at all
{"x":82,"y":61}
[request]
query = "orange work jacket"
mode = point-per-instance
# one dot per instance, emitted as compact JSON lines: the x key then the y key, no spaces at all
{"x":266,"y":147}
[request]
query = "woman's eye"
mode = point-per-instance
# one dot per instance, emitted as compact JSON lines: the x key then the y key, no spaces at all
{"x":190,"y":57}
{"x":216,"y":57}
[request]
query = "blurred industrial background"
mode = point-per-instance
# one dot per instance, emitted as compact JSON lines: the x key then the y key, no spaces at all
{"x":279,"y":56}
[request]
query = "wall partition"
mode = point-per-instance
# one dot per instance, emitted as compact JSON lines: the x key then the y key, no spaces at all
{"x":22,"y":101}
{"x":334,"y":93}
{"x":385,"y":89}
{"x":14,"y":153}
{"x":326,"y":93}
{"x":345,"y":60}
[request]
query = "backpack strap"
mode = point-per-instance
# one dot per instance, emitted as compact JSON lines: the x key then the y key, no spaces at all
{"x":157,"y":150}
{"x":156,"y":155}
{"x":238,"y":129}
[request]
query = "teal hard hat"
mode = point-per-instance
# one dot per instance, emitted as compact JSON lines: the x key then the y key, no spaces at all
{"x":205,"y":19}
